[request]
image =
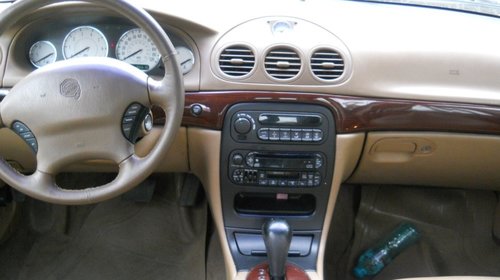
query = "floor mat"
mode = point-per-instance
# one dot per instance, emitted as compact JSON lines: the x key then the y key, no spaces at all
{"x":455,"y":226}
{"x":115,"y":240}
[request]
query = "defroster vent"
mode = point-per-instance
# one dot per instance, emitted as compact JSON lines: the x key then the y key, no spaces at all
{"x":237,"y":61}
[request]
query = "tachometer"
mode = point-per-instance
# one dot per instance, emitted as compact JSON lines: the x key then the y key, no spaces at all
{"x":42,"y":53}
{"x":85,"y":41}
{"x":136,"y":48}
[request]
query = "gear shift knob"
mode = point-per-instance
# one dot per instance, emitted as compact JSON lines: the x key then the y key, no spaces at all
{"x":277,"y":237}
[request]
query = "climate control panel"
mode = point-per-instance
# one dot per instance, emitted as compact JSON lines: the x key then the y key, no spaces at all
{"x":278,"y":127}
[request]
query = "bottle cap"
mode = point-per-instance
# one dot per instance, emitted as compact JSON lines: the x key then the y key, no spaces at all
{"x":359,"y":272}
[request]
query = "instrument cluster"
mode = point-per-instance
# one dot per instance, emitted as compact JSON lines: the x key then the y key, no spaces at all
{"x":119,"y":41}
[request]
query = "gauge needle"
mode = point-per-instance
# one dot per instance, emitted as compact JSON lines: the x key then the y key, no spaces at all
{"x":185,"y":62}
{"x":85,"y":49}
{"x":134,"y":53}
{"x":49,"y":55}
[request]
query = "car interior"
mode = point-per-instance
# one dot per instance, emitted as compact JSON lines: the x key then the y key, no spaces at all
{"x":283,"y":139}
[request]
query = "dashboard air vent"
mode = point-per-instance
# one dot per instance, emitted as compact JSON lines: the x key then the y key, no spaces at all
{"x":237,"y":61}
{"x":327,"y":64}
{"x":282,"y":63}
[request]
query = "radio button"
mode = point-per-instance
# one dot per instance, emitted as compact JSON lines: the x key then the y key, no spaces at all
{"x":238,"y":176}
{"x":317,"y":135}
{"x":237,"y":159}
{"x":274,"y":134}
{"x":263,"y":182}
{"x":292,"y":183}
{"x":317,"y":182}
{"x":309,"y":164}
{"x":307,"y":135}
{"x":263,"y":134}
{"x":318,"y":162}
{"x":250,"y":160}
{"x":296,"y":135}
{"x":310,"y":183}
{"x":303,"y":176}
{"x":285,"y":134}
{"x":302,"y":183}
{"x":282,"y":183}
{"x":262,"y":175}
{"x":273,"y":182}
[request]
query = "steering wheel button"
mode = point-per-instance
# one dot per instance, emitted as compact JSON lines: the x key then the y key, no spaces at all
{"x":127,"y":120}
{"x":27,"y":135}
{"x":19,"y":127}
{"x":127,"y":128}
{"x":33,"y":144}
{"x":133,"y":110}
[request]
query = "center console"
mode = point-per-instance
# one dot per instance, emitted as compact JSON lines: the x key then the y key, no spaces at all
{"x":277,"y":161}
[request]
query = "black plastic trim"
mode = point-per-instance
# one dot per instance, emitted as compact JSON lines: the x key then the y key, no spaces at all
{"x":245,"y":215}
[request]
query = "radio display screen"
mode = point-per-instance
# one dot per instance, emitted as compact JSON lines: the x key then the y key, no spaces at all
{"x":283,"y":161}
{"x":283,"y":175}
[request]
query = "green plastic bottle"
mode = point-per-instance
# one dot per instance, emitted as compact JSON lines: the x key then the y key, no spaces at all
{"x":373,"y":260}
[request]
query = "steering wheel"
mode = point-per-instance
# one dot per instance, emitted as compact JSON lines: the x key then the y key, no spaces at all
{"x":78,"y":109}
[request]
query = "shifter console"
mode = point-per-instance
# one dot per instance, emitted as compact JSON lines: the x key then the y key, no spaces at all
{"x":277,"y":161}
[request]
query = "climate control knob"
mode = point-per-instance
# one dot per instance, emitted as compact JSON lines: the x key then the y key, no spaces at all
{"x":242,"y":125}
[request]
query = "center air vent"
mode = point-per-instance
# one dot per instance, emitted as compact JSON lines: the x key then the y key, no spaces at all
{"x":327,"y":64}
{"x":282,"y":63}
{"x":237,"y":61}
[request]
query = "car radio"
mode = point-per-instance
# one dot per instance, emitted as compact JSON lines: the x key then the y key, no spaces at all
{"x":290,"y":169}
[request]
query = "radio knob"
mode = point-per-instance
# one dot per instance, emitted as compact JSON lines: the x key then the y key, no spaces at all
{"x":242,"y":125}
{"x":237,"y":159}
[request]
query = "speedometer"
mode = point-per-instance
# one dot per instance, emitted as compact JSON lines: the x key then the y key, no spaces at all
{"x":84,"y":41}
{"x":136,"y":48}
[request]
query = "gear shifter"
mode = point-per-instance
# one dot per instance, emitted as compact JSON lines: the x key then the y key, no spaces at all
{"x":277,"y":237}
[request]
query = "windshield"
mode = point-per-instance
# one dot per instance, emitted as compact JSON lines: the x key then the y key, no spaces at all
{"x":488,"y":7}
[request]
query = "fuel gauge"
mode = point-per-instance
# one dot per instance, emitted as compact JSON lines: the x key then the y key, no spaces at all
{"x":186,"y":59}
{"x":42,"y":53}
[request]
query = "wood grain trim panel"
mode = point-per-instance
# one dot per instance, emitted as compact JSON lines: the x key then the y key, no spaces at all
{"x":353,"y":114}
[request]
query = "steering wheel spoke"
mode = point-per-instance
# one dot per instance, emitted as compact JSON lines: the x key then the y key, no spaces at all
{"x":164,"y":92}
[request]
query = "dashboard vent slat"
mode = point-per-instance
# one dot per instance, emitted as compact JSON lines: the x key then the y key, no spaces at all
{"x":283,"y":63}
{"x":237,"y":61}
{"x":327,"y":64}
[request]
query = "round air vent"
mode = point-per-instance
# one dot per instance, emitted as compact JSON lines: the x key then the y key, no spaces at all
{"x":282,"y":63}
{"x":327,"y":64}
{"x":237,"y":61}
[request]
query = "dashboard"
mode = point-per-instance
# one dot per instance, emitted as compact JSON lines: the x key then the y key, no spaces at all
{"x":402,"y":100}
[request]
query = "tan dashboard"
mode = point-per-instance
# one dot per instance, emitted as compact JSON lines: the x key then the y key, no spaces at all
{"x":412,"y":102}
